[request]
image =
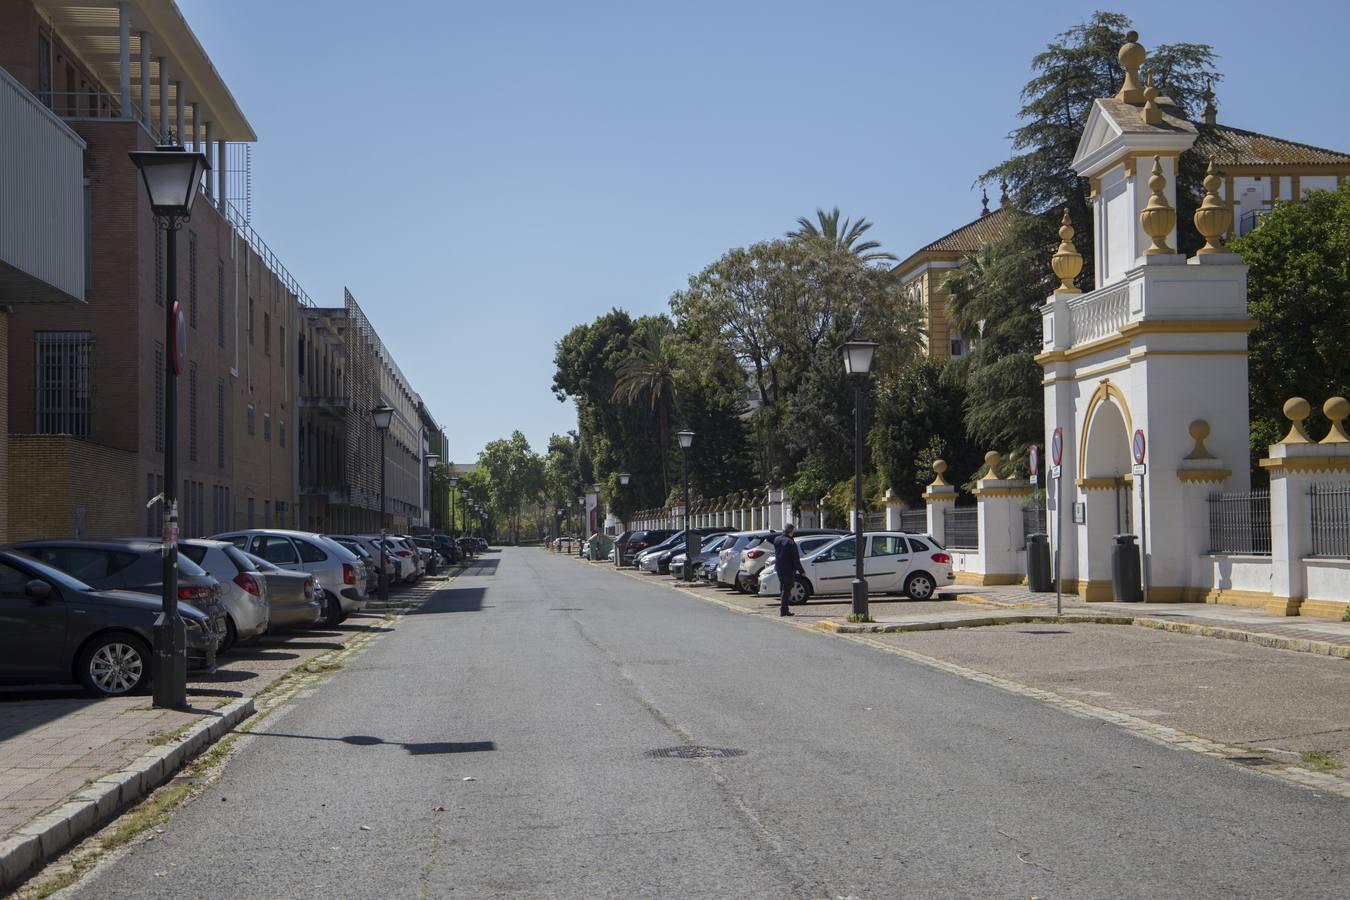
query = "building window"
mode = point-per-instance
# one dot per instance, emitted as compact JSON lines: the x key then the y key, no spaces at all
{"x":958,"y":346}
{"x":64,"y":361}
{"x":159,"y":266}
{"x":281,"y":345}
{"x":267,"y":334}
{"x":252,"y":419}
{"x":159,"y":397}
{"x":281,"y":432}
{"x":192,"y":411}
{"x":88,"y":236}
{"x":250,"y":321}
{"x":267,"y":426}
{"x":220,"y":303}
{"x":267,"y":513}
{"x":44,"y":70}
{"x":300,"y":357}
{"x":192,"y":278}
{"x":250,"y":513}
{"x":220,"y":423}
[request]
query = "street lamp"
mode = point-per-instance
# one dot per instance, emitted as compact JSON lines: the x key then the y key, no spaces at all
{"x":687,"y":441}
{"x":858,"y":362}
{"x":171,"y":176}
{"x":454,"y":480}
{"x":624,"y":478}
{"x":432,"y":459}
{"x":383,"y":416}
{"x":581,"y":512}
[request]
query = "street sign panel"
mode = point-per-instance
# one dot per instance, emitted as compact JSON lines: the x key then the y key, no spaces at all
{"x":1080,"y":511}
{"x":1034,"y":462}
{"x":1057,"y":447}
{"x":1139,"y":446}
{"x":1054,"y":470}
{"x":179,"y":339}
{"x":1138,"y":469}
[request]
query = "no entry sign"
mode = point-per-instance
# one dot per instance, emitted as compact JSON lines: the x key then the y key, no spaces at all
{"x":1035,"y":462}
{"x":1057,"y":446}
{"x":1139,"y":446}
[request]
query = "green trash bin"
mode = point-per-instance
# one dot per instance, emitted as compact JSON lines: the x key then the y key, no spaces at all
{"x":600,"y":546}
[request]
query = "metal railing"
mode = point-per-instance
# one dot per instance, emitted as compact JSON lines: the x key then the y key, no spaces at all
{"x":1033,"y":522}
{"x":874,"y":521}
{"x":1240,"y":523}
{"x":96,"y":105}
{"x":961,"y":525}
{"x":254,"y":240}
{"x":1251,"y":220}
{"x":914,"y":521}
{"x":1330,"y":512}
{"x":1099,"y":314}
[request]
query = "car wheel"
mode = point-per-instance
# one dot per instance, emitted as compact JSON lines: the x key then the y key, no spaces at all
{"x":231,"y":636}
{"x":114,"y":665}
{"x":919,"y":586}
{"x":334,"y":616}
{"x":801,"y":591}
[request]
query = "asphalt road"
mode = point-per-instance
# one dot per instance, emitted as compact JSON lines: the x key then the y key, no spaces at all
{"x":548,"y":682}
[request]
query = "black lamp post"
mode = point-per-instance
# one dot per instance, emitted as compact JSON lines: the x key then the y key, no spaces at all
{"x":171,"y":176}
{"x":383,"y":416}
{"x":581,"y":514}
{"x":690,"y":548}
{"x":454,"y":480}
{"x":432,"y":460}
{"x":624,"y":478}
{"x":857,"y":363}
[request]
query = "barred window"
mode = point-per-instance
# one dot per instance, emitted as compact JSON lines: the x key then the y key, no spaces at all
{"x":267,"y":513}
{"x":281,"y":513}
{"x":267,"y":427}
{"x":64,"y":361}
{"x":267,"y":334}
{"x":252,"y":418}
{"x":281,"y":432}
{"x":159,"y":266}
{"x":192,"y":278}
{"x":192,"y":411}
{"x":220,"y":423}
{"x":220,"y":303}
{"x":250,"y":513}
{"x":159,"y":397}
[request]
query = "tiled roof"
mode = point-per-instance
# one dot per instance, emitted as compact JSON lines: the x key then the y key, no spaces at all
{"x":1239,"y":147}
{"x":1130,"y":118}
{"x":970,"y":238}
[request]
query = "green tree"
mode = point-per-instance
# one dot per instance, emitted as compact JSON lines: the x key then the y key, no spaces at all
{"x":844,"y":235}
{"x":919,"y":420}
{"x":647,"y":378}
{"x":515,"y":477}
{"x":1298,"y":290}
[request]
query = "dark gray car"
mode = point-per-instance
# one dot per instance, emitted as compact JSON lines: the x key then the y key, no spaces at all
{"x":294,"y":599}
{"x":57,"y":629}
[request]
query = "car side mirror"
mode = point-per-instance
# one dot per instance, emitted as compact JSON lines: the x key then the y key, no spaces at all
{"x":38,"y":589}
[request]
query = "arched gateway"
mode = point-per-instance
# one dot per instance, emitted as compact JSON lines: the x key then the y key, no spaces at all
{"x":1160,"y":343}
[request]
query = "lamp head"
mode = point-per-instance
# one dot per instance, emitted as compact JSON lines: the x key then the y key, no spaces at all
{"x":624,"y":478}
{"x":686,"y":439}
{"x":383,"y":415}
{"x":858,"y":357}
{"x":171,"y":175}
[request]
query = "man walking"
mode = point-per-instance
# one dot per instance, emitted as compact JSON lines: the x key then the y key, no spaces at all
{"x":787,"y":564}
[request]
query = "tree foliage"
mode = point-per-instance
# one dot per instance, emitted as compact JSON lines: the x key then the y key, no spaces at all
{"x":918,"y":421}
{"x":843,"y":235}
{"x":515,"y":477}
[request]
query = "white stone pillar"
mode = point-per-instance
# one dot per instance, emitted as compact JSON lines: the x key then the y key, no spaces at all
{"x":892,"y":511}
{"x":163,"y":100}
{"x":777,"y":519}
{"x":937,"y":497}
{"x":124,"y":59}
{"x":207,"y":148}
{"x":1001,"y":560}
{"x":196,"y":129}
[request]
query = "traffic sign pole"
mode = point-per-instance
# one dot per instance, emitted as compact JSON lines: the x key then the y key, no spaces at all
{"x":1140,"y":447}
{"x":1056,"y":456}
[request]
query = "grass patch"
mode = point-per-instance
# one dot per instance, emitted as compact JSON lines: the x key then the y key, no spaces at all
{"x":1345,"y":616}
{"x":865,"y":618}
{"x":169,"y":737}
{"x":320,"y":665}
{"x":150,"y":814}
{"x":1320,"y":760}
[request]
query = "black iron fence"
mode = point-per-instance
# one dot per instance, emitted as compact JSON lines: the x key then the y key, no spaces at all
{"x":1330,"y":520}
{"x":1240,"y":523}
{"x":962,"y":527}
{"x":874,"y":521}
{"x":914,"y":521}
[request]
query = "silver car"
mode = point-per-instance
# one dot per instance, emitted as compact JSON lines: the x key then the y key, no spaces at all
{"x":294,"y":598}
{"x":242,"y":587}
{"x":338,"y":570}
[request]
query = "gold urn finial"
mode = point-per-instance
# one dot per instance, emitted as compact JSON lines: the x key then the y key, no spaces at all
{"x":1336,"y":409}
{"x":1214,"y":217}
{"x":1158,"y":218}
{"x":1066,"y":262}
{"x":1131,"y":55}
{"x":1296,"y":409}
{"x":1199,"y":430}
{"x":939,"y":466}
{"x":991,"y":460}
{"x":1152,"y":111}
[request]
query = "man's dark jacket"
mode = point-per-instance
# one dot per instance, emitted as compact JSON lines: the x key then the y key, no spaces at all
{"x":789,"y":558}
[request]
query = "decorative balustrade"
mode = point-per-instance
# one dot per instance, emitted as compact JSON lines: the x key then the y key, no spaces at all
{"x":1099,"y":314}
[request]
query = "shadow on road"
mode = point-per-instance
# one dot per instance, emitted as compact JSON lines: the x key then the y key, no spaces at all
{"x":481,"y":567}
{"x":414,"y":748}
{"x":450,"y":600}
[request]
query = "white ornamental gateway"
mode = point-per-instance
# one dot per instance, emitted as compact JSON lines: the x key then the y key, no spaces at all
{"x":1159,"y":346}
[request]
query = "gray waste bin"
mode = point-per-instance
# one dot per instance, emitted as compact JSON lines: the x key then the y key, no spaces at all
{"x":1126,"y":585}
{"x":1040,"y":577}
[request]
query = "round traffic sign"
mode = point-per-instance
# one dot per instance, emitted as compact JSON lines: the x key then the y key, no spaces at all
{"x":179,"y":339}
{"x":1139,"y":446}
{"x":1057,"y":446}
{"x":1035,"y":462}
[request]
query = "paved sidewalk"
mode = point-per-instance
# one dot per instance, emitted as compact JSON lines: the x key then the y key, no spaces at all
{"x":55,"y":742}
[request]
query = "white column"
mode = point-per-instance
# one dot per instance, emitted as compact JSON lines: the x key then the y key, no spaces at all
{"x":206,"y":148}
{"x":196,"y":127}
{"x":892,"y":511}
{"x":124,"y":58}
{"x":179,"y":134}
{"x":163,"y":99}
{"x":145,"y":77}
{"x":220,"y":171}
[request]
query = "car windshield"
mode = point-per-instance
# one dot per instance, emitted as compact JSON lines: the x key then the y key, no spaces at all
{"x":53,"y":575}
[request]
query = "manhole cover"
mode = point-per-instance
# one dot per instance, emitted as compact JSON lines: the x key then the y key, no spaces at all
{"x":690,"y":751}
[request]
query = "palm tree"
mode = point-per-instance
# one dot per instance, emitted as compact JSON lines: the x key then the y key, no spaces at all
{"x":648,"y":376}
{"x":843,"y":235}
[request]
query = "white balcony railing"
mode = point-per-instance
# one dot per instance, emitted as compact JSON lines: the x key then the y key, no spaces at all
{"x":1099,"y":314}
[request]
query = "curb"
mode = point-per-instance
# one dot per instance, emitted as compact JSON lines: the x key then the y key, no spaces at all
{"x":900,"y":627}
{"x":1260,"y":638}
{"x":46,"y":836}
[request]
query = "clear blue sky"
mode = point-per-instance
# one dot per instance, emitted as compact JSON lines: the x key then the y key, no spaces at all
{"x":485,"y":176}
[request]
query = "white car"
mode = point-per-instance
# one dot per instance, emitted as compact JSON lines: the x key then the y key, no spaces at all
{"x":754,"y":563}
{"x":912,"y":564}
{"x":729,"y":557}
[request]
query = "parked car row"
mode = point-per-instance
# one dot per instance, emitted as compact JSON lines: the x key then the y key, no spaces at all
{"x":76,"y":611}
{"x":894,"y":563}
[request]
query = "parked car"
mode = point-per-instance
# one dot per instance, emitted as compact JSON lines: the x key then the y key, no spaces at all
{"x":707,"y":552}
{"x":806,"y":545}
{"x":754,"y":556}
{"x":58,"y":629}
{"x":641,"y":540}
{"x":658,"y":558}
{"x":912,"y":564}
{"x":424,"y":554}
{"x":729,"y":557}
{"x":294,"y":599}
{"x":369,"y":556}
{"x":242,"y":587}
{"x":338,"y":570}
{"x":405,"y":566}
{"x":135,"y":564}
